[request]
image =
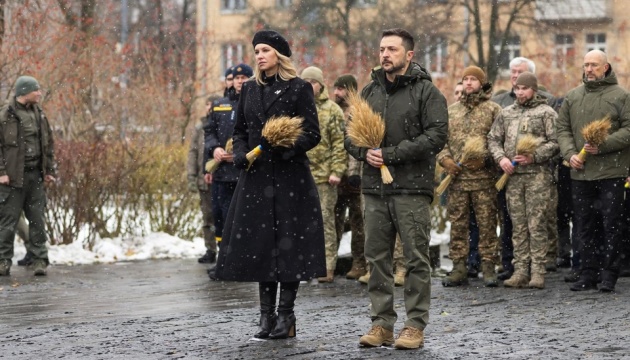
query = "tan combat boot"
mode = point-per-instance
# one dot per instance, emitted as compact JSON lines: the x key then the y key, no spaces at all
{"x":358,"y":270}
{"x":330,"y":277}
{"x":537,"y":281}
{"x":377,"y":336}
{"x":459,"y":275}
{"x":364,"y":279}
{"x":399,"y":277}
{"x":489,"y":274}
{"x":518,"y":280}
{"x":410,"y":338}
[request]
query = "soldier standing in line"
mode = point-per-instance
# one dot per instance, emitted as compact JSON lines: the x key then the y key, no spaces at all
{"x":196,"y":183}
{"x":528,"y":189}
{"x":327,"y":162}
{"x":474,"y":182}
{"x":349,"y":189}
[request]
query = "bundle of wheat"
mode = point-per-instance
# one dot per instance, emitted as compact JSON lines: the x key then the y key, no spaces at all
{"x":366,"y":129}
{"x":595,"y":133}
{"x":281,"y":131}
{"x":212,"y":165}
{"x":474,"y":148}
{"x":526,"y":145}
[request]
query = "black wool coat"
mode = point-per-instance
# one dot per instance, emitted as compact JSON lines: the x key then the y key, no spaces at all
{"x":274,"y":228}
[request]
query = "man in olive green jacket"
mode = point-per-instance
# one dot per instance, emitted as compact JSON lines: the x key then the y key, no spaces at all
{"x":26,"y":162}
{"x":416,"y":125}
{"x":598,"y":181}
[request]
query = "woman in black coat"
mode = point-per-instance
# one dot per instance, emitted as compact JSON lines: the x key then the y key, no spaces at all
{"x":274,"y":232}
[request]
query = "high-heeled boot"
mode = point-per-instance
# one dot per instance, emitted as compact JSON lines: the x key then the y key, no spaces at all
{"x":285,"y":325}
{"x":267,"y":293}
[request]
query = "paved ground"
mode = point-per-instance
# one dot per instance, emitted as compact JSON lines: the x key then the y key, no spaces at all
{"x":169,"y":310}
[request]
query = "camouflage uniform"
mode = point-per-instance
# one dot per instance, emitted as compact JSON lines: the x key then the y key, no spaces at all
{"x":472,"y":116}
{"x":552,"y":221}
{"x":528,"y":189}
{"x":349,"y":198}
{"x":328,"y":158}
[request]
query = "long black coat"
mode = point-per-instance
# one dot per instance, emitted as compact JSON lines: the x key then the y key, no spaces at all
{"x":274,"y":229}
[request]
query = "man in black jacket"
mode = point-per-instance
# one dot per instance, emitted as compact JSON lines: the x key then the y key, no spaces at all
{"x":217,"y":131}
{"x":416,"y":121}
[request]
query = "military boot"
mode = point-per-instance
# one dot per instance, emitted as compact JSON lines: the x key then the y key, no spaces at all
{"x":459,"y":275}
{"x":5,"y":267}
{"x":365,"y":278}
{"x":39,"y":267}
{"x":399,"y":277}
{"x":537,"y":281}
{"x":518,"y":280}
{"x":330,"y":277}
{"x":358,"y":270}
{"x":489,"y":274}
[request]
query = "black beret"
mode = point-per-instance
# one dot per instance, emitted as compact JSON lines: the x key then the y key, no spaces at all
{"x":274,"y":40}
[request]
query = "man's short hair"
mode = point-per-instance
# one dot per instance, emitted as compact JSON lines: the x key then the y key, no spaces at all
{"x":531,"y":67}
{"x":407,"y":39}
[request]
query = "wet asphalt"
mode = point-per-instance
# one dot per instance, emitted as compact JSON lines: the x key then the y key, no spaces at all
{"x":168,"y":309}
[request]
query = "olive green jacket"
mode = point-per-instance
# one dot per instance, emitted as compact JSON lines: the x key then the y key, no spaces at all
{"x":588,"y":102}
{"x":12,"y":150}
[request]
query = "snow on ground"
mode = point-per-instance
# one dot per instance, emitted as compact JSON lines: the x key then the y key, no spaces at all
{"x":153,"y":246}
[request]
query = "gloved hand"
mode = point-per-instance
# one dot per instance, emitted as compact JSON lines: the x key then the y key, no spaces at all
{"x":474,"y":164}
{"x":354,"y":181}
{"x":240,"y":161}
{"x":192,"y":185}
{"x":265,"y":144}
{"x":450,"y":166}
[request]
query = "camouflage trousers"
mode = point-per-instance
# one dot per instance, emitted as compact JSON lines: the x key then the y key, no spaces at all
{"x":353,"y":204}
{"x":484,"y":202}
{"x":205,"y":201}
{"x":528,"y":204}
{"x":552,"y":224}
{"x":328,"y":199}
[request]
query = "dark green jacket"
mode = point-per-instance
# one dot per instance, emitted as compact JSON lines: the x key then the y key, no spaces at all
{"x":416,"y":126}
{"x":589,"y":102}
{"x":12,"y":144}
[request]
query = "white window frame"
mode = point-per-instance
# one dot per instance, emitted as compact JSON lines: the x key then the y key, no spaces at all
{"x":597,"y":44}
{"x":233,"y":6}
{"x":231,"y":54}
{"x":513,"y":50}
{"x":562,"y":48}
{"x":436,"y":48}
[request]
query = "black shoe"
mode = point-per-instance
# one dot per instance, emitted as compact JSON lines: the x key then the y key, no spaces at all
{"x":210,"y":257}
{"x":27,"y":260}
{"x":504,"y":275}
{"x":473,"y":273}
{"x":285,"y":326}
{"x":607,"y":287}
{"x":550,"y":266}
{"x":212,"y":274}
{"x":572,"y":276}
{"x":563,"y":263}
{"x":584,"y":285}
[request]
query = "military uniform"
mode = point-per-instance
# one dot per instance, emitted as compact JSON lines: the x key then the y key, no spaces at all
{"x":326,"y":159}
{"x":472,"y":116}
{"x":528,"y":189}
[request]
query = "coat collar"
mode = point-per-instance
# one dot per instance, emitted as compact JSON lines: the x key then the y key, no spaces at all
{"x":277,"y":88}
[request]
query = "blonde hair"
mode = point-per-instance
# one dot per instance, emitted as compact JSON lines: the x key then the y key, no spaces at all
{"x":286,"y":69}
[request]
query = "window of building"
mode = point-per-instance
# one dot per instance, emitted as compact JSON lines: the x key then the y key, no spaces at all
{"x":231,"y":54}
{"x":565,"y":51}
{"x":233,"y":5}
{"x":511,"y":49}
{"x":435,"y":51}
{"x":283,"y":4}
{"x":365,"y":3}
{"x":595,"y":42}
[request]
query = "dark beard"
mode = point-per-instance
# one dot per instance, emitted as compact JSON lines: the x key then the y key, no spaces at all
{"x":395,"y":67}
{"x":341,"y":102}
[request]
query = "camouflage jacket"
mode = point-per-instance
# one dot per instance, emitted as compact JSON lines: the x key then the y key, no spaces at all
{"x":328,"y":157}
{"x":534,"y":117}
{"x":472,"y":116}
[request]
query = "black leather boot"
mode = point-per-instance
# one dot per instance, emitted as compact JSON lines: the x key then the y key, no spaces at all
{"x":267,"y":292}
{"x":285,"y":326}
